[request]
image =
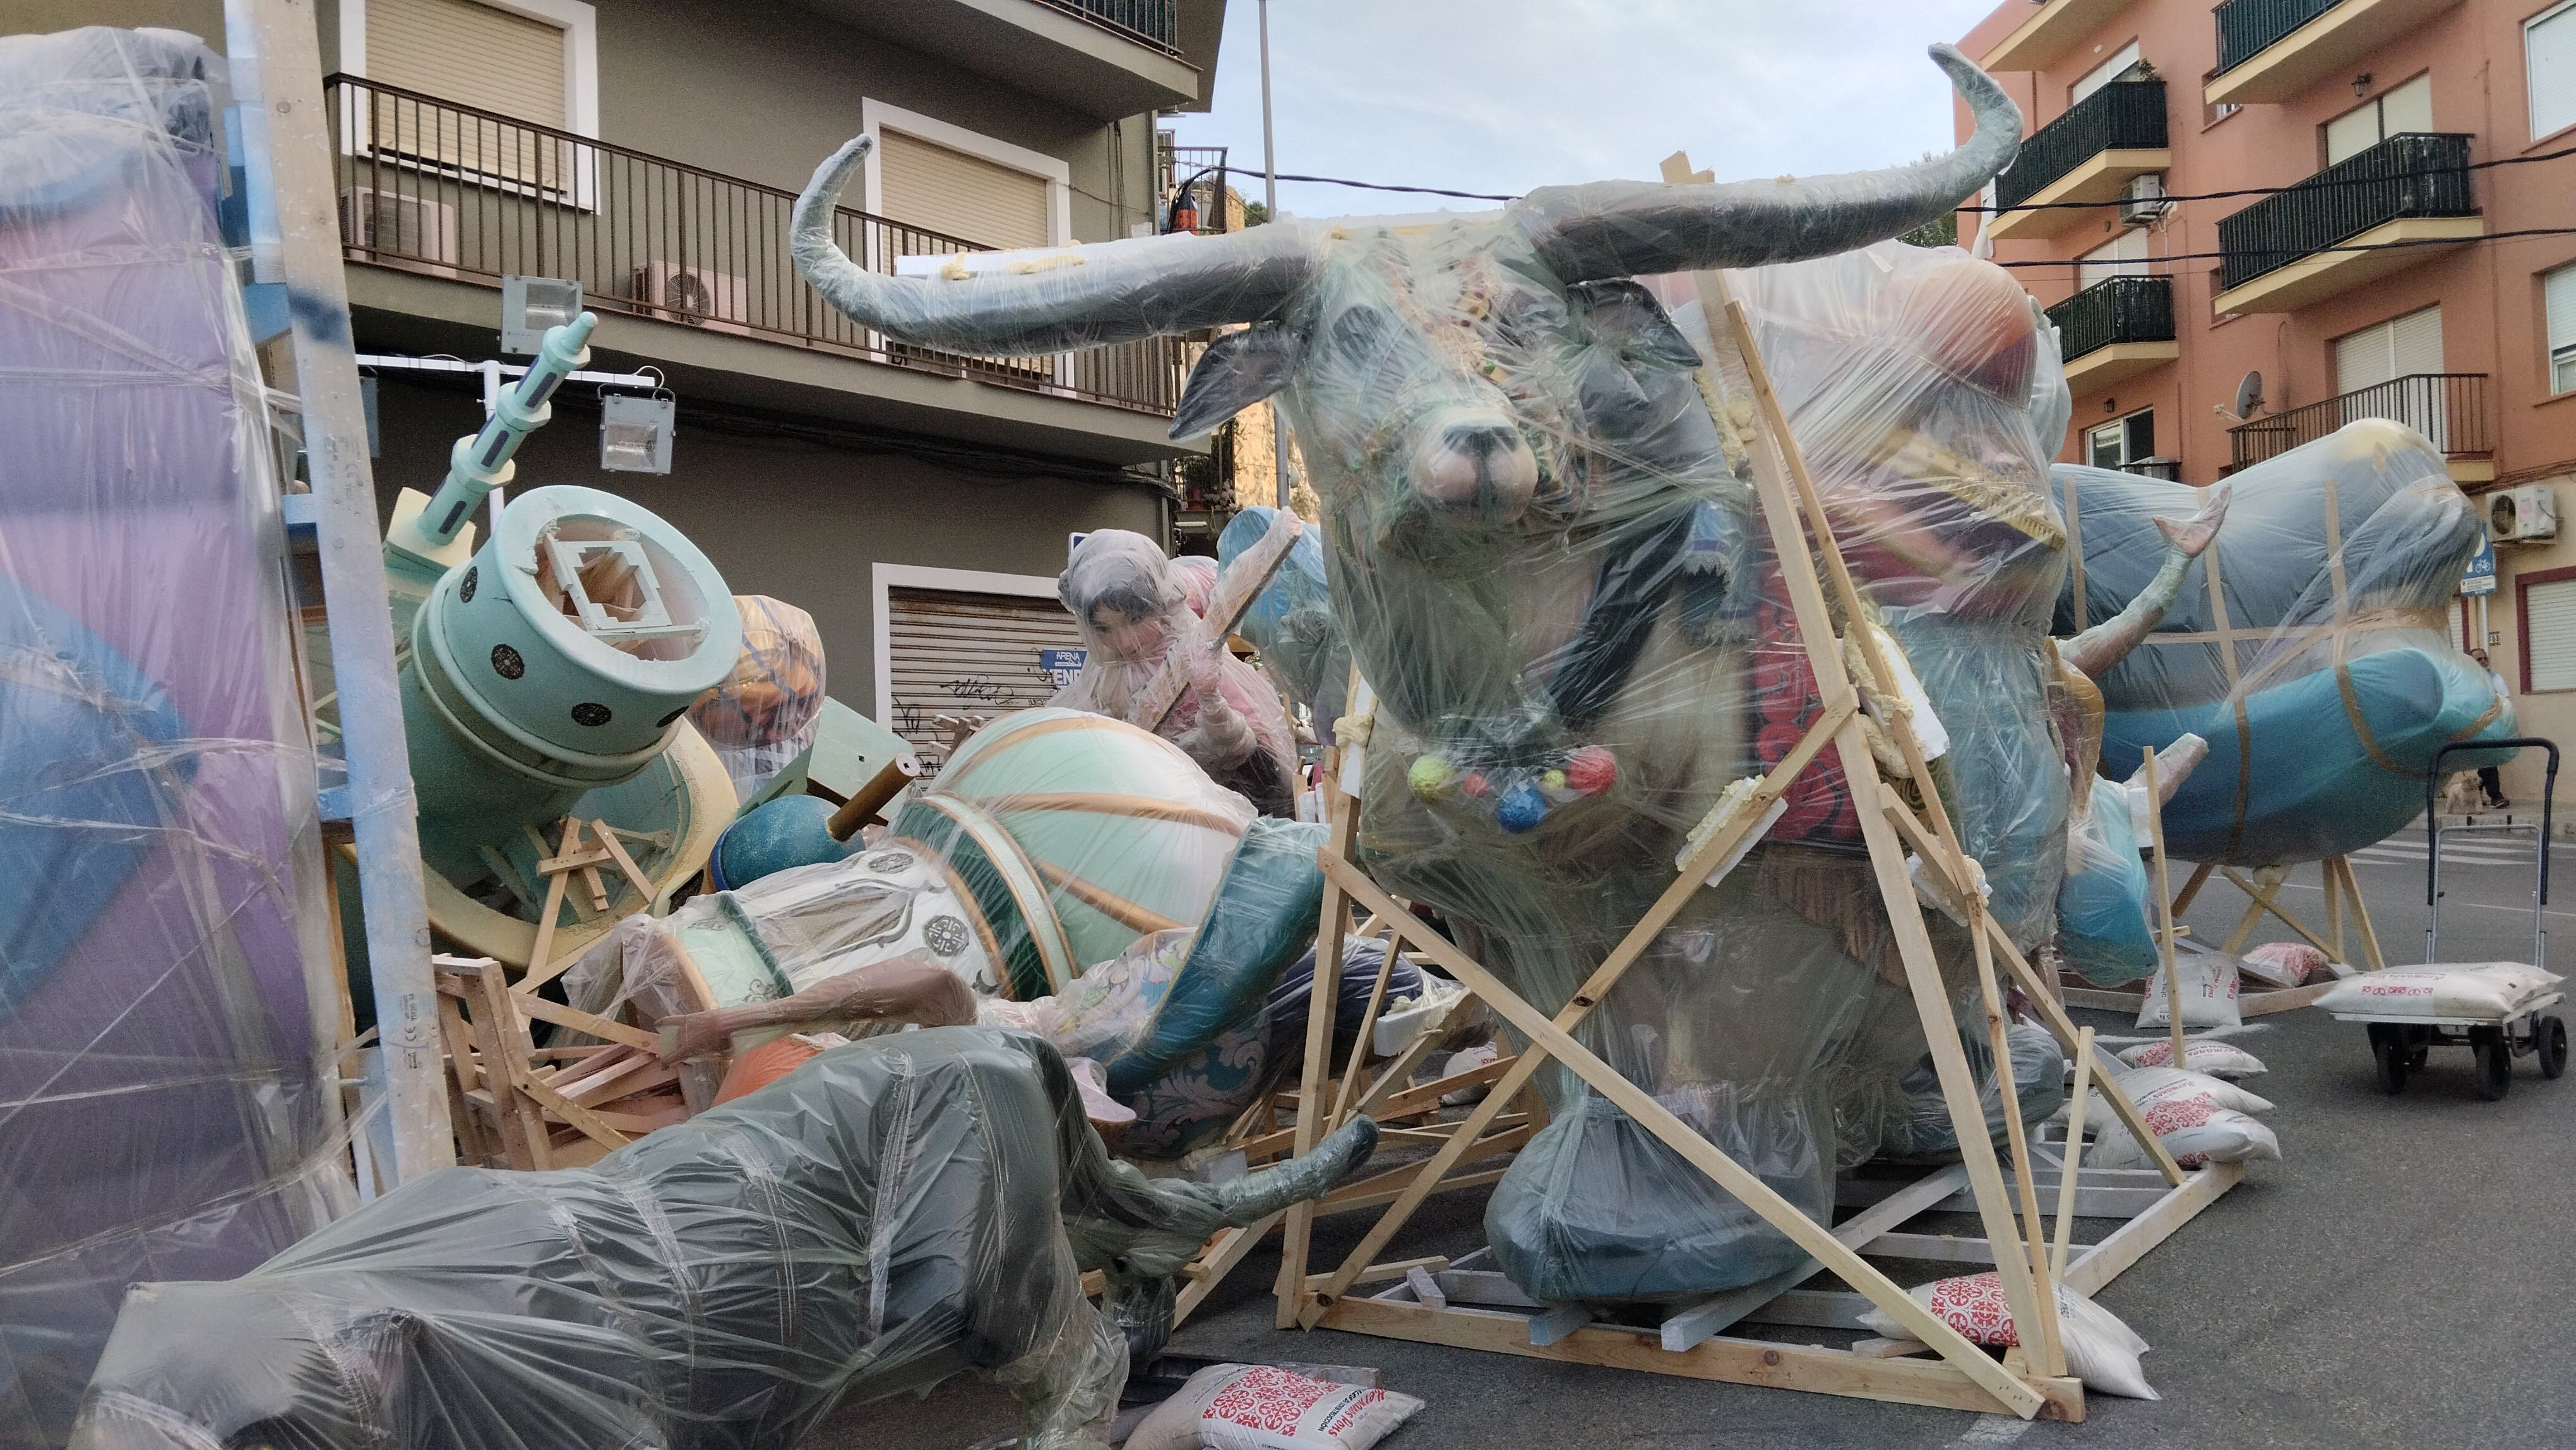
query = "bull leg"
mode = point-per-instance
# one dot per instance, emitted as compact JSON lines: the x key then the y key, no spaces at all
{"x":1067,"y":1385}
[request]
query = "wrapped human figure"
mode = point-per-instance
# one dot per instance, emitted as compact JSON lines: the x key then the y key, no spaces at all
{"x":885,"y":1217}
{"x":1543,"y":543}
{"x":1136,"y":611}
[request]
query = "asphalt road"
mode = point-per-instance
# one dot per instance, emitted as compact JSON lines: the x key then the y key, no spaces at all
{"x":2399,"y":1279}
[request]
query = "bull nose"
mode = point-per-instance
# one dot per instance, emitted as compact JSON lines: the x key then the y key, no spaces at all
{"x":1484,"y":466}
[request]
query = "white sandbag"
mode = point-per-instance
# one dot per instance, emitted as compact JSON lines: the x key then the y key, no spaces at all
{"x":2195,"y":1131}
{"x":2100,"y":1350}
{"x":2482,"y":991}
{"x":2209,"y":988}
{"x":2146,"y":1085}
{"x":1263,"y":1407}
{"x":2283,"y":964}
{"x":2199,"y":1054}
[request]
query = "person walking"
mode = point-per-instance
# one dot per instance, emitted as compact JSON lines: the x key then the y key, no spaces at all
{"x":2490,"y":783}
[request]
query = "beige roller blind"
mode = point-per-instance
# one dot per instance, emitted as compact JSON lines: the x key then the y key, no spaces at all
{"x":957,"y":653}
{"x":469,"y":55}
{"x":967,"y":198}
{"x":2549,"y":635}
{"x":2393,"y":349}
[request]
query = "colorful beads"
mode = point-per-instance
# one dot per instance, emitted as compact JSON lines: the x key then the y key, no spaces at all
{"x":1521,"y":808}
{"x":1431,"y":777}
{"x":1591,"y":770}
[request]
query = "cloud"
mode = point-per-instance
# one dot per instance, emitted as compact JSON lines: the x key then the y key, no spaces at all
{"x":1506,"y":95}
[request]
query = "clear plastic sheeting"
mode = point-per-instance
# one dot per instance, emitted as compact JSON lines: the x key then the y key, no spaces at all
{"x":885,"y":1217}
{"x":1291,"y":621}
{"x":767,"y":712}
{"x":1541,"y":538}
{"x":165,"y":1101}
{"x":1138,"y":609}
{"x":2311,"y":646}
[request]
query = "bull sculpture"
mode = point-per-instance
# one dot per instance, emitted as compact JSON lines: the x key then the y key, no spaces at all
{"x":1541,"y":537}
{"x":886,"y":1216}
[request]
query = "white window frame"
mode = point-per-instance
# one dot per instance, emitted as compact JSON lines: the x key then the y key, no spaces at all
{"x":580,"y":24}
{"x":2531,"y":91}
{"x":876,"y":118}
{"x":2121,"y":423}
{"x":2551,"y":348}
{"x":884,"y":578}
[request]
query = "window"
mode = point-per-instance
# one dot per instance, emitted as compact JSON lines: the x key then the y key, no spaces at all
{"x":2549,"y":634}
{"x":2129,"y":440}
{"x":2123,"y":256}
{"x":2397,"y":348}
{"x":534,"y":61}
{"x":2116,"y":68}
{"x":2549,"y":62}
{"x":953,"y":182}
{"x":2559,"y":291}
{"x":2407,"y":108}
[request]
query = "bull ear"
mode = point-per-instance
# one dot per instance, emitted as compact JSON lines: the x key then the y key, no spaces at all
{"x":1623,"y":314}
{"x":1238,"y":370}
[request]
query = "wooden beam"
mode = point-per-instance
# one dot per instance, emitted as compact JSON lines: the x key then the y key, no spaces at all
{"x":2071,"y":1167}
{"x":2164,"y":907}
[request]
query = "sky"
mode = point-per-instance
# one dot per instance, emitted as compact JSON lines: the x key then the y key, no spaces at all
{"x":1506,"y":95}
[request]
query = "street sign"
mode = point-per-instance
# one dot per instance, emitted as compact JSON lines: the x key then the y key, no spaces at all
{"x":1061,"y":665}
{"x":2481,"y":578}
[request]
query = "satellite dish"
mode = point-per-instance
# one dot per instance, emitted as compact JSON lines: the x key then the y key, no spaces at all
{"x":2249,"y":395}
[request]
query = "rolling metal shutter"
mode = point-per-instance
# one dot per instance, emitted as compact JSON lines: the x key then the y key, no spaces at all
{"x":469,"y":55}
{"x":2549,"y":635}
{"x":966,"y":197}
{"x":955,"y":653}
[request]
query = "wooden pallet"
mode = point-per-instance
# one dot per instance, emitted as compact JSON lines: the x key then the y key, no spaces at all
{"x":2031,"y":1382}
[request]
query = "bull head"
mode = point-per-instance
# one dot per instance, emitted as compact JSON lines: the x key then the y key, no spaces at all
{"x":1403,"y":376}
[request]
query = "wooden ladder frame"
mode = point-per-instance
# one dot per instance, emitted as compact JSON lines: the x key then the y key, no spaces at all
{"x":2033,"y":1382}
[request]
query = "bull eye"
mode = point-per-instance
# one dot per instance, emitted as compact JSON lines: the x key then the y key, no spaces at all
{"x":1357,"y":332}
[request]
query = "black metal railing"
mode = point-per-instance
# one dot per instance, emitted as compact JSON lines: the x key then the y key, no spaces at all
{"x":2168,"y":469}
{"x":1202,"y":169}
{"x":2412,"y":175}
{"x":2124,"y":115}
{"x":2454,"y":410}
{"x":2115,"y":309}
{"x":1149,"y":22}
{"x":2246,"y":27}
{"x":426,"y":186}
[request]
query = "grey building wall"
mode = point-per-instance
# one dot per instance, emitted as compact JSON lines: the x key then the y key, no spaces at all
{"x":787,"y":517}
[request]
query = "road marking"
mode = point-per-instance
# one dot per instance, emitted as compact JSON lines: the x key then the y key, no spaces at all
{"x":1992,"y":1430}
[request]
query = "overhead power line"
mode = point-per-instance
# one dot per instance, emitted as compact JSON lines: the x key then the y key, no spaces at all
{"x":2313,"y":251}
{"x":2312,"y":184}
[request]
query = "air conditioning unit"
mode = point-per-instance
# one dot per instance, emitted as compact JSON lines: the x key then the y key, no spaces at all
{"x":391,"y":224}
{"x":683,"y":293}
{"x":2523,"y":515}
{"x":2143,"y":200}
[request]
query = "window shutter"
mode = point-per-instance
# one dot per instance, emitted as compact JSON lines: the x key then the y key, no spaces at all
{"x":2362,"y":359}
{"x":2123,"y":256}
{"x":2407,"y":109}
{"x":2103,"y":74}
{"x":2415,"y":343}
{"x":2352,"y":133}
{"x":2549,"y":635}
{"x":962,"y":197}
{"x":470,"y":55}
{"x":2559,"y":288}
{"x":2549,"y":64}
{"x":958,"y":653}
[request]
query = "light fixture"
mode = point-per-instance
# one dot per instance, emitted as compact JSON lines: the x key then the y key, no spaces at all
{"x":635,"y":433}
{"x":2110,"y":405}
{"x":530,"y":305}
{"x":2361,"y":83}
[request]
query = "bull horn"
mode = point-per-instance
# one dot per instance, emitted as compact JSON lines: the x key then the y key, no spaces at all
{"x":1632,"y":228}
{"x":1255,"y":1196}
{"x":1121,"y":291}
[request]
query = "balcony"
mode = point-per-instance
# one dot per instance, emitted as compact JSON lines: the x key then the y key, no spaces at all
{"x":2408,"y":196}
{"x":1104,"y":58}
{"x":2455,"y":410}
{"x":1203,"y":170}
{"x":2115,"y":329}
{"x":2083,"y":159}
{"x":454,"y":195}
{"x":2045,"y":38}
{"x":2274,"y":50}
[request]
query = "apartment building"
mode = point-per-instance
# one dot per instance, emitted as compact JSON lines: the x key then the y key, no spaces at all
{"x":918,"y":504}
{"x":2256,"y":223}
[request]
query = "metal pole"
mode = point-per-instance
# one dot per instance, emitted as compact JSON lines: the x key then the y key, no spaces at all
{"x":1270,"y":205}
{"x":295,"y":229}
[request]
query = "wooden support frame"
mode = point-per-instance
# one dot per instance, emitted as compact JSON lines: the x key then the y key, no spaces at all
{"x":531,"y":1108}
{"x":1962,"y":1376}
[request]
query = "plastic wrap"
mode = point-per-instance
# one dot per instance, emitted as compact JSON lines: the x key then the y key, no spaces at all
{"x":1541,"y":538}
{"x":2320,"y":668}
{"x":759,"y":719}
{"x":883,"y":1218}
{"x":168,"y":1104}
{"x":1291,"y":621}
{"x":2102,"y":908}
{"x":1136,"y":609}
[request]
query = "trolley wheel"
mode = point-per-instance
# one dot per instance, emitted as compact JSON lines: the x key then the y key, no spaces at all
{"x":2494,"y":1061}
{"x":2553,"y":1047}
{"x":2388,"y":1050}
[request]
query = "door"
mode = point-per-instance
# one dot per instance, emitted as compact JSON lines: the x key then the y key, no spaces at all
{"x":963,"y":654}
{"x":2408,"y":109}
{"x":2390,"y":370}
